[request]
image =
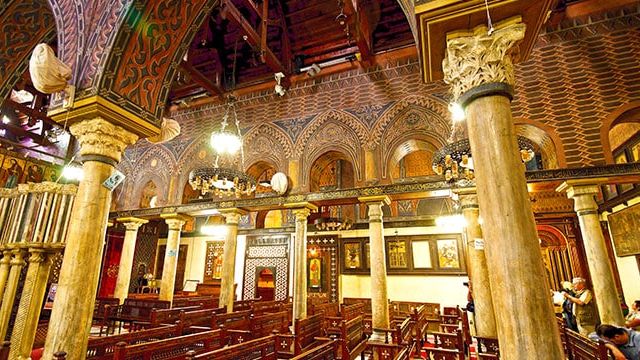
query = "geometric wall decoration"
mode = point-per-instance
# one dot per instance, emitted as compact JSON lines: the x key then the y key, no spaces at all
{"x":271,"y":251}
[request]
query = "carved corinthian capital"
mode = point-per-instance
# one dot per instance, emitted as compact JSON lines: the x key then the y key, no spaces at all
{"x":475,"y":58}
{"x":100,"y":137}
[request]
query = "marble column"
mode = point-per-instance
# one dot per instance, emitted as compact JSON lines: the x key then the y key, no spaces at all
{"x":175,"y":222}
{"x":479,"y":68}
{"x":132,"y":225}
{"x":101,"y":148}
{"x":35,"y":287}
{"x":485,"y":319}
{"x":301,"y":211}
{"x":16,"y":263}
{"x":583,"y":193}
{"x":379,"y":296}
{"x":4,"y":269}
{"x":232,"y":218}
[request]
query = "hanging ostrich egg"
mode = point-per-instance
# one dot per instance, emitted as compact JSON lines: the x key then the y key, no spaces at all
{"x":279,"y":183}
{"x":168,"y":130}
{"x":48,"y":73}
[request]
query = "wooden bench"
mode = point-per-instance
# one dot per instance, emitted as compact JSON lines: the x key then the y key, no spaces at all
{"x":353,"y":341}
{"x":420,"y":317}
{"x":308,"y":333}
{"x":325,"y":351}
{"x":384,"y":351}
{"x":202,"y":317}
{"x":266,"y":348}
{"x":102,"y":348}
{"x":100,"y":313}
{"x":447,"y":346}
{"x":243,"y":305}
{"x":399,"y":342}
{"x":166,"y":316}
{"x":366,"y":302}
{"x":487,"y":348}
{"x":133,"y":311}
{"x":173,"y":348}
{"x":583,"y":348}
{"x":347,"y":312}
{"x":205,"y":302}
{"x":328,"y":309}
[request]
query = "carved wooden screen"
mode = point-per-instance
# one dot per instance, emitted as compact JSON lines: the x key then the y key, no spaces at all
{"x":270,"y":251}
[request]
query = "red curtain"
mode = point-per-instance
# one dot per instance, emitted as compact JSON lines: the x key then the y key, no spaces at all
{"x":110,"y":263}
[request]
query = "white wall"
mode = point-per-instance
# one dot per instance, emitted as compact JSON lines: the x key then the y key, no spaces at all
{"x":627,"y":266}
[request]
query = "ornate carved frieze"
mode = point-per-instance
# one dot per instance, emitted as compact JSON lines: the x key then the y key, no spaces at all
{"x":100,"y":137}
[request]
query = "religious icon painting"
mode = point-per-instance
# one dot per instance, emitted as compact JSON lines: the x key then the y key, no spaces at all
{"x":11,"y":171}
{"x":33,"y":173}
{"x":315,"y":273}
{"x":448,"y":257}
{"x":52,"y":173}
{"x":352,"y":255}
{"x":367,"y":255}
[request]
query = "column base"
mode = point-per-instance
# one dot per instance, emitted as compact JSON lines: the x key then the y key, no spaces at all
{"x":378,"y":336}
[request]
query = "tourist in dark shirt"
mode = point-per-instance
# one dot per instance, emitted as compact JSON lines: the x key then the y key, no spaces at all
{"x":623,"y":343}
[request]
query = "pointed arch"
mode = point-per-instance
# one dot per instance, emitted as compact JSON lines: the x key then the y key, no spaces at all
{"x":267,"y":142}
{"x":546,"y":138}
{"x":339,"y":117}
{"x":405,"y":146}
{"x":627,"y":113}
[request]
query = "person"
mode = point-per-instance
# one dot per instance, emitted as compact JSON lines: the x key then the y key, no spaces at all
{"x":632,"y":321}
{"x":567,"y":307}
{"x":623,"y":343}
{"x":13,"y":171}
{"x":583,"y":307}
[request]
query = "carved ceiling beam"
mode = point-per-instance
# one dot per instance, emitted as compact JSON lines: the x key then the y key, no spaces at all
{"x":264,"y":29}
{"x":267,"y":56}
{"x":287,"y":55}
{"x":213,"y":88}
{"x":32,"y":113}
{"x":20,"y":132}
{"x":355,"y":9}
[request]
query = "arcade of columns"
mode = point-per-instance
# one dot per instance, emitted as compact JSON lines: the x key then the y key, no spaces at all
{"x":504,"y":259}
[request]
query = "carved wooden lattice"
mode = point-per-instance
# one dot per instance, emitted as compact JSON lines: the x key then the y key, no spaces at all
{"x":270,"y":252}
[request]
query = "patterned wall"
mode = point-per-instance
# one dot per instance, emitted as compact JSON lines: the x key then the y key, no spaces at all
{"x":266,"y":251}
{"x":145,"y":253}
{"x":576,"y":77}
{"x":24,"y":24}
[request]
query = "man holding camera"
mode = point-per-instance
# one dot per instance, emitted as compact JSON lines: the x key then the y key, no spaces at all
{"x":583,"y":307}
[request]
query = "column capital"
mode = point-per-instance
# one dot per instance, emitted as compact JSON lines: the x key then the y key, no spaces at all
{"x":371,"y":200}
{"x":301,"y":210}
{"x":132,"y":223}
{"x":18,"y":257}
{"x":175,"y":221}
{"x":6,"y":257}
{"x":98,"y":137}
{"x":110,"y":223}
{"x":575,"y":188}
{"x":468,"y":198}
{"x":475,"y":57}
{"x":39,"y":255}
{"x":232,"y":215}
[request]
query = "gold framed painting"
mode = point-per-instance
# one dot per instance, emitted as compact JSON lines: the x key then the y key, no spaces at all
{"x":448,"y":254}
{"x":624,"y":225}
{"x":352,"y":255}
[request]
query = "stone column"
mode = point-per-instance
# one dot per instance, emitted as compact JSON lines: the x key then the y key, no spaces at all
{"x":294,"y":175}
{"x":379,"y":297}
{"x":301,"y":212}
{"x":478,"y":66}
{"x":232,"y":218}
{"x":175,"y":222}
{"x":485,"y":319}
{"x":370,"y":165}
{"x":4,"y":269}
{"x":35,"y":287}
{"x":16,"y":263}
{"x":583,"y":193}
{"x":132,"y":225}
{"x":101,"y":147}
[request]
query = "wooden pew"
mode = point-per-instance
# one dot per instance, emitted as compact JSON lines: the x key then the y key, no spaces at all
{"x":391,"y":351}
{"x":102,"y":348}
{"x":100,"y":313}
{"x":353,"y":341}
{"x":325,"y":351}
{"x":202,"y":317}
{"x":583,"y":348}
{"x":133,"y":311}
{"x":447,"y":346}
{"x":173,"y":348}
{"x":243,"y":305}
{"x":165,"y":316}
{"x":487,"y":348}
{"x":420,"y":317}
{"x":205,"y":302}
{"x":308,"y":333}
{"x":364,"y":301}
{"x":266,"y":348}
{"x":347,"y":312}
{"x":328,"y":309}
{"x":264,"y":325}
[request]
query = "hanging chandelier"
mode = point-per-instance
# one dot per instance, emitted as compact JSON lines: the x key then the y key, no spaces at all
{"x":229,"y":180}
{"x":332,"y":220}
{"x":455,"y":162}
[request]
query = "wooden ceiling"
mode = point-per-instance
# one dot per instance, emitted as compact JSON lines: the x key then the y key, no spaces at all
{"x":298,"y":33}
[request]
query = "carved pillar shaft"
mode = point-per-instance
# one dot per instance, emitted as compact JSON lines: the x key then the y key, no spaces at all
{"x":4,"y":269}
{"x":126,"y":256}
{"x":35,"y":286}
{"x":101,"y":147}
{"x":479,"y":68}
{"x":232,"y":218}
{"x":604,"y":285}
{"x":17,"y":263}
{"x":167,"y":287}
{"x":485,"y":320}
{"x":379,"y":296}
{"x":301,"y":212}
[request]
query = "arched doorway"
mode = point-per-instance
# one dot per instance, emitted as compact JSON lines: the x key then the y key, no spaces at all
{"x":555,"y":255}
{"x":332,"y":171}
{"x":265,"y":283}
